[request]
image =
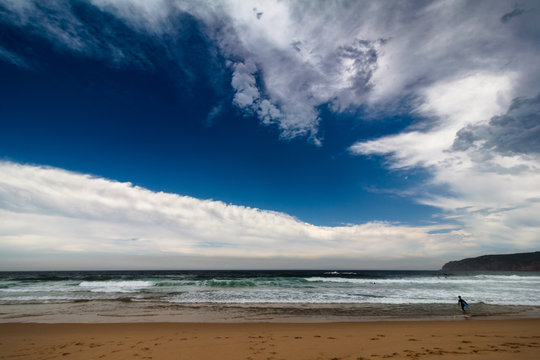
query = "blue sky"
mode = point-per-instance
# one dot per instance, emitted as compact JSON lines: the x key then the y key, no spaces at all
{"x":265,"y":134}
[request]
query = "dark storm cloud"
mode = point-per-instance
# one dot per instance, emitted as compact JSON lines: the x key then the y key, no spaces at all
{"x":508,"y":16}
{"x":517,"y":131}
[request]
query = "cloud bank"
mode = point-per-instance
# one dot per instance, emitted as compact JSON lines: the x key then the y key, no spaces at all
{"x":53,"y":211}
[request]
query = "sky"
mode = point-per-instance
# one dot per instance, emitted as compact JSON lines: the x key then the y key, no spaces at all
{"x":242,"y":134}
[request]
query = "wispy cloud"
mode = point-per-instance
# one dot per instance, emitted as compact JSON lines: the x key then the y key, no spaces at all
{"x":290,"y":58}
{"x":13,"y":58}
{"x":53,"y":211}
{"x":287,"y":59}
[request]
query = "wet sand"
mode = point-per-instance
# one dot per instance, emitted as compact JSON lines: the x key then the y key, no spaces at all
{"x":156,"y":312}
{"x":467,"y":339}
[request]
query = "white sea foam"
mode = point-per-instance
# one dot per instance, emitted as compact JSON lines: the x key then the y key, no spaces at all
{"x":116,"y":286}
{"x":301,"y":288}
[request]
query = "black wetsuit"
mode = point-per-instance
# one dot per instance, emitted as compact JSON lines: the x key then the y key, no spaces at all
{"x":462,"y":303}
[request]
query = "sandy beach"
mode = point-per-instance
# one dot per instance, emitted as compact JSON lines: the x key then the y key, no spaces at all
{"x":468,"y":339}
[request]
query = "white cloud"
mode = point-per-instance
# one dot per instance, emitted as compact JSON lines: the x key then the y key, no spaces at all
{"x":53,"y":211}
{"x":463,"y":64}
{"x":448,"y":106}
{"x":243,"y":81}
{"x":301,"y":67}
{"x":449,"y":39}
{"x":309,"y":54}
{"x":455,"y":64}
{"x":490,"y":193}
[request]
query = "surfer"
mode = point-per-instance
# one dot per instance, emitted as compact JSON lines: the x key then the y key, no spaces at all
{"x":462,"y":303}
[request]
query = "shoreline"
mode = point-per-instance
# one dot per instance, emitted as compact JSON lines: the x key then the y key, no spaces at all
{"x":153,"y":312}
{"x":479,"y":339}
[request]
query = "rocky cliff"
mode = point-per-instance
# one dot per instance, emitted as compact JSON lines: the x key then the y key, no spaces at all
{"x":510,"y":262}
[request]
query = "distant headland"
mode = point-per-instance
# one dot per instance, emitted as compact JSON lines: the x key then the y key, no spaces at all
{"x":510,"y":262}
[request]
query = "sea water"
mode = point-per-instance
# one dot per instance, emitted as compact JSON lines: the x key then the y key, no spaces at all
{"x":366,"y":292}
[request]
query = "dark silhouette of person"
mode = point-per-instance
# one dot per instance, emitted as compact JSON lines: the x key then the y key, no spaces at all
{"x":462,"y":303}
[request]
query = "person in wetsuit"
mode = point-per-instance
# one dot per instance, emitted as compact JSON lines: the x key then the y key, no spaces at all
{"x":462,"y":303}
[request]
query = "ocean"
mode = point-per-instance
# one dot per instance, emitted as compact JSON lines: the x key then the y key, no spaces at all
{"x":262,"y":295}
